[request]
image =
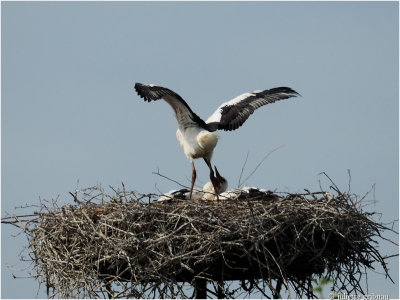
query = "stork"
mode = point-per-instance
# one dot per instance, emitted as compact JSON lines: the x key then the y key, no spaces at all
{"x":212,"y":190}
{"x":196,"y":136}
{"x":207,"y":193}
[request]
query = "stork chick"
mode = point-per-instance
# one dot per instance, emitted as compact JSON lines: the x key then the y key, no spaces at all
{"x":207,"y":193}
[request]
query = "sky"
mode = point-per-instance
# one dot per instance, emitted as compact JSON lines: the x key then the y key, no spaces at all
{"x":70,"y":116}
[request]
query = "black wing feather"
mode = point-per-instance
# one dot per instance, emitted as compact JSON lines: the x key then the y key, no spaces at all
{"x":235,"y":113}
{"x":152,"y":93}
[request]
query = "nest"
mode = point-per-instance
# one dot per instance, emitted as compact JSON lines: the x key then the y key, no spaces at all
{"x":123,"y":245}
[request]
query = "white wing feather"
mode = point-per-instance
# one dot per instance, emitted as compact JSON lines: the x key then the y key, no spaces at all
{"x":216,"y":116}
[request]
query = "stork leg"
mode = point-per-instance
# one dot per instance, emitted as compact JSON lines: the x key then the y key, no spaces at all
{"x":212,"y":177}
{"x":193,"y":179}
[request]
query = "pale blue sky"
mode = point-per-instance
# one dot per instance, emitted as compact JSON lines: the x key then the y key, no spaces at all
{"x":69,"y":110}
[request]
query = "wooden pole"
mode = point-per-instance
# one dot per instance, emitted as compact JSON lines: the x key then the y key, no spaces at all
{"x":220,"y":292}
{"x":109,"y":290}
{"x":277,"y":292}
{"x":200,"y":288}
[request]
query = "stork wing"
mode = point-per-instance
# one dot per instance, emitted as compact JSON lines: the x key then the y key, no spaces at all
{"x":183,"y":113}
{"x":232,"y":114}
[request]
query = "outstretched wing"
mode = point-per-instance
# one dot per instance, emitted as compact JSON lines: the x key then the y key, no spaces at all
{"x":232,"y":114}
{"x":183,"y":113}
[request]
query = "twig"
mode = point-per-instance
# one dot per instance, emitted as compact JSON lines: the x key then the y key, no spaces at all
{"x":159,"y":174}
{"x":259,"y":164}
{"x":243,"y":166}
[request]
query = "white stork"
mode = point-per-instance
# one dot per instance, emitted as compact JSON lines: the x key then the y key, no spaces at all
{"x":198,"y":138}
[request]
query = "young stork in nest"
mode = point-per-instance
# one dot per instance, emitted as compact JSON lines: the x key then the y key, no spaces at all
{"x":207,"y":193}
{"x":198,"y":138}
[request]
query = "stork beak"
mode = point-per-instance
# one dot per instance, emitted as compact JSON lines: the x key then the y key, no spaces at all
{"x":216,"y":172}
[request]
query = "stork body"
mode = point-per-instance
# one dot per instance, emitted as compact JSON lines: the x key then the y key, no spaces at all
{"x":197,"y":142}
{"x":197,"y":137}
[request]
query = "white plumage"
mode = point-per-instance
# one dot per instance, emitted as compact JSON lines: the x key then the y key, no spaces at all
{"x":207,"y":193}
{"x":216,"y":116}
{"x":247,"y":193}
{"x":197,"y":142}
{"x":198,"y":138}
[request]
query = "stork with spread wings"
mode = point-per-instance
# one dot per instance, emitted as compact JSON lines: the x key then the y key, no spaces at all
{"x":196,"y":136}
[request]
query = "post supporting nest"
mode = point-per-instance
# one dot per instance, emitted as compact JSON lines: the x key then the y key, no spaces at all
{"x":200,"y":288}
{"x":122,"y":246}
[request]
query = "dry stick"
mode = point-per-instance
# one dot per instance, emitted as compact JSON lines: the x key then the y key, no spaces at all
{"x":19,"y":216}
{"x":349,"y":184}
{"x":159,"y":174}
{"x":259,"y":164}
{"x":334,"y":185}
{"x":244,"y":165}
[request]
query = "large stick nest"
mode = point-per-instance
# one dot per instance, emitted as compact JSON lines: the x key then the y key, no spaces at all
{"x":125,"y":246}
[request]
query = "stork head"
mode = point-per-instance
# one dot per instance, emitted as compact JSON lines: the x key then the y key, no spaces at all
{"x":221,"y":182}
